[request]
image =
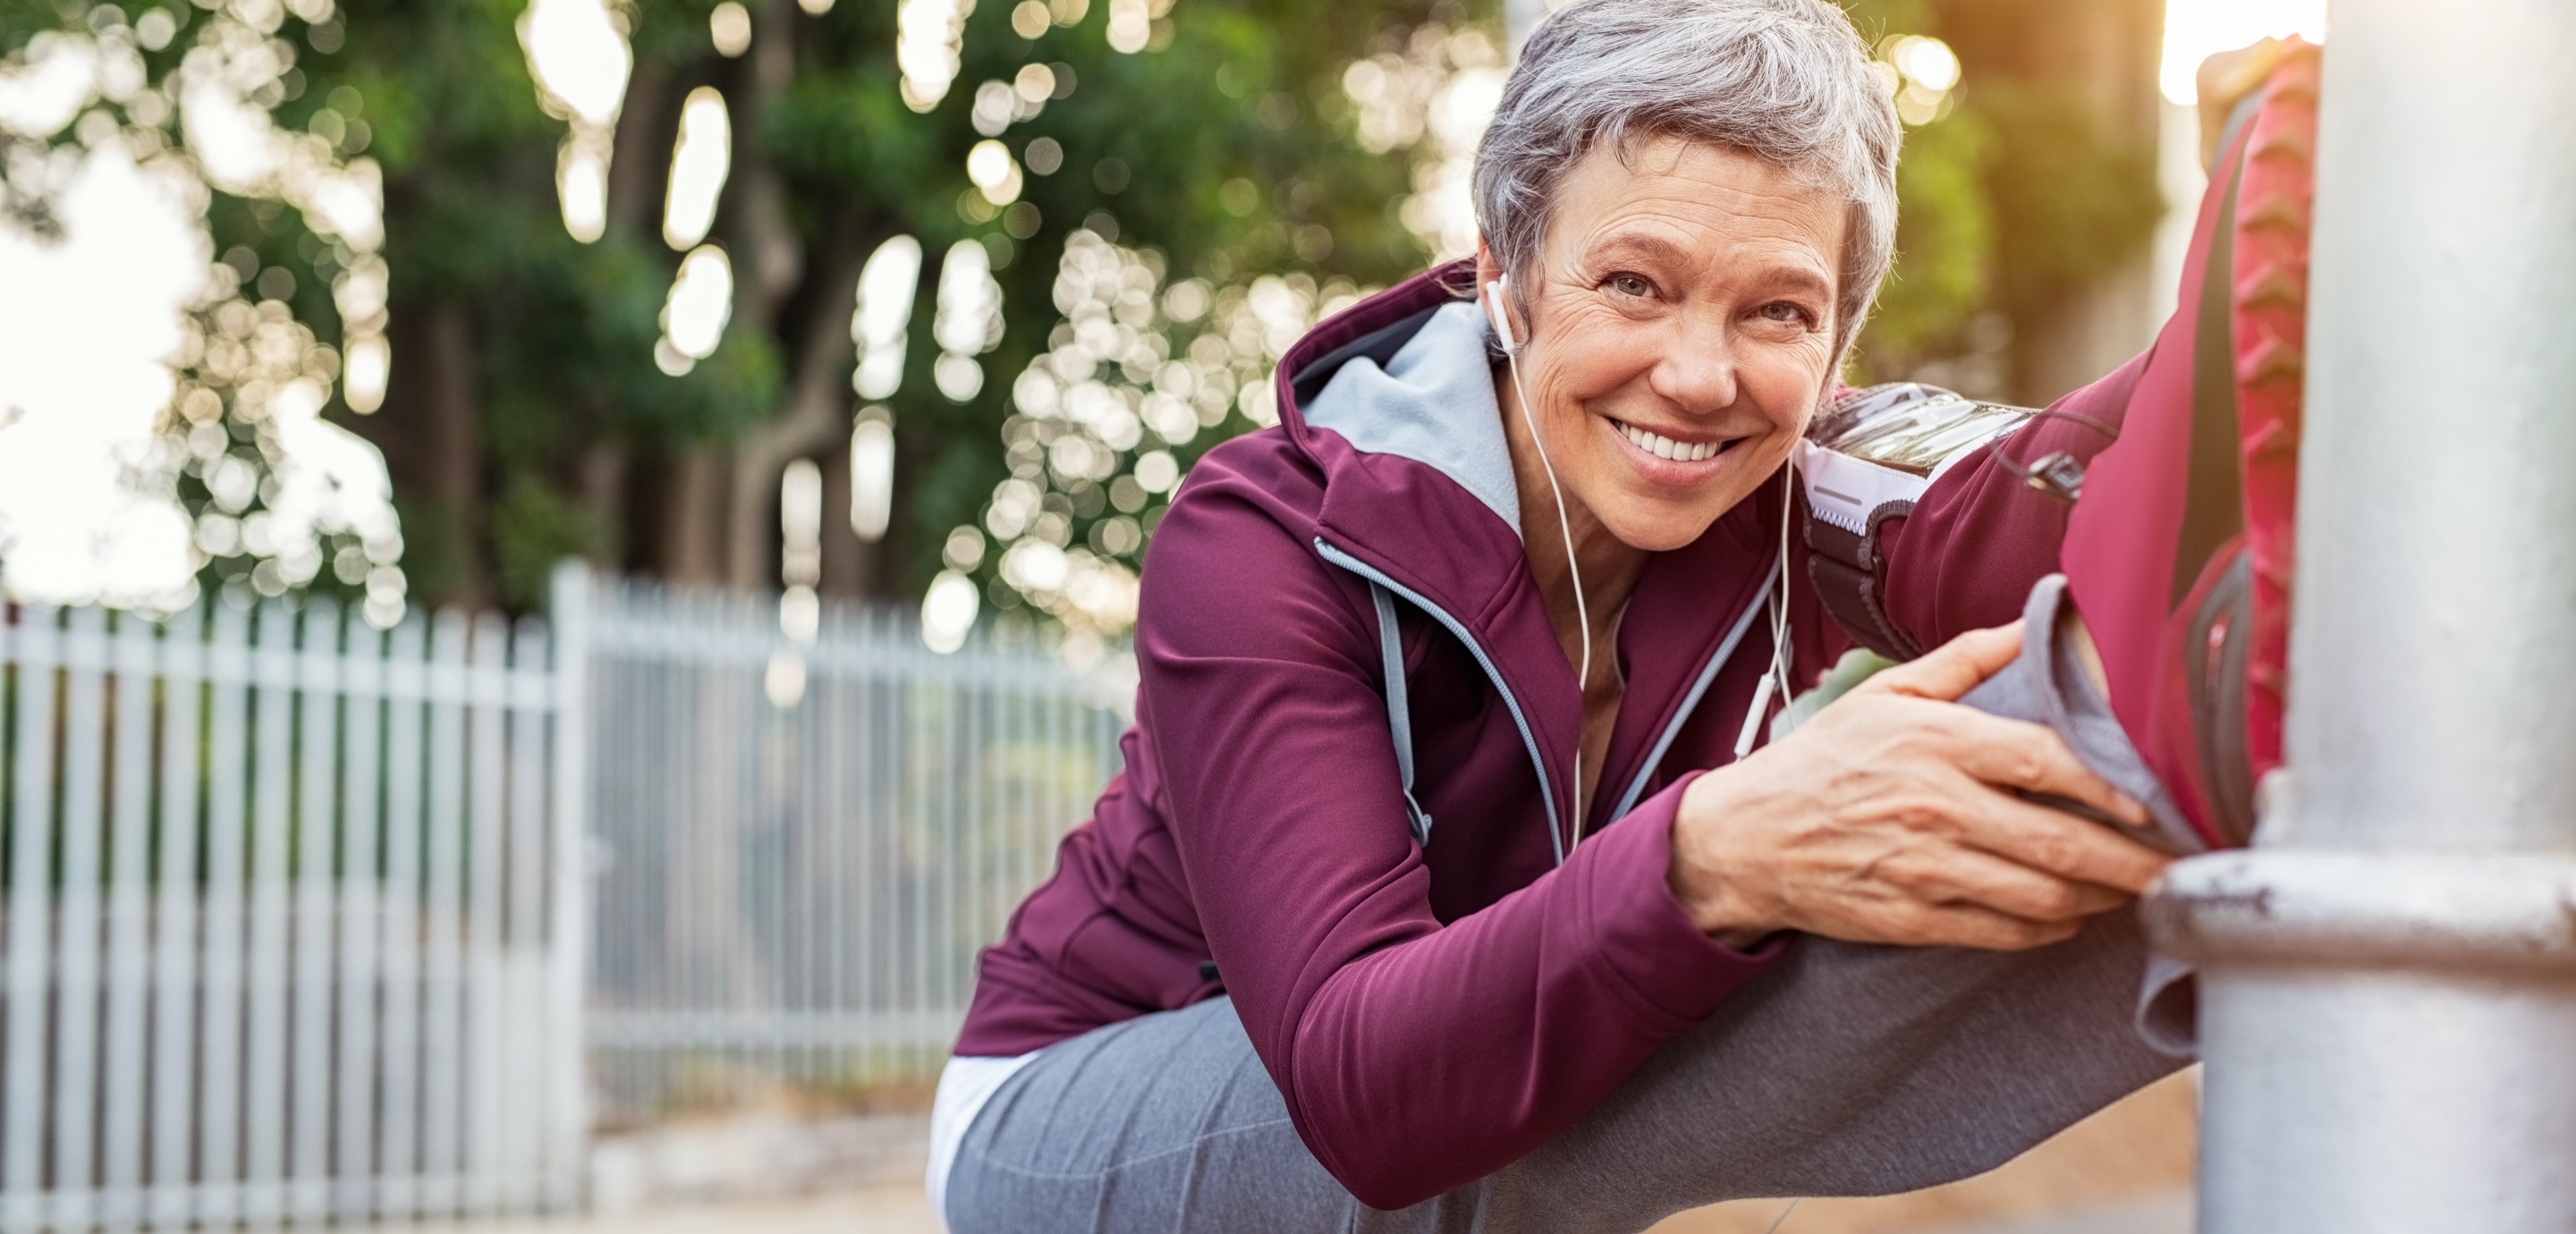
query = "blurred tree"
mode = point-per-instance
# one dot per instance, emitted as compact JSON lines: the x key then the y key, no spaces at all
{"x":1925,"y":323}
{"x":2029,"y":194}
{"x":270,"y":240}
{"x":2067,"y":96}
{"x":527,"y":416}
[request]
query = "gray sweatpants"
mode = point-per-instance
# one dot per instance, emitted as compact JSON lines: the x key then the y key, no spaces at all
{"x":1845,"y":1070}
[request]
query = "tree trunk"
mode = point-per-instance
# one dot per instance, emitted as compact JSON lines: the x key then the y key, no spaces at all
{"x":605,"y":468}
{"x":768,"y":259}
{"x":817,"y":418}
{"x":639,"y":165}
{"x":453,"y":449}
{"x":693,"y":518}
{"x":852,"y":568}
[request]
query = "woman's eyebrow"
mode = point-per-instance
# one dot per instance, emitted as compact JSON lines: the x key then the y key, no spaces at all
{"x":1644,"y":248}
{"x":1800,"y":278}
{"x":1784,"y":276}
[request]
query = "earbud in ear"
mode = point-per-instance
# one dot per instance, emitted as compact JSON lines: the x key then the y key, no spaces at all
{"x":1501,"y":319}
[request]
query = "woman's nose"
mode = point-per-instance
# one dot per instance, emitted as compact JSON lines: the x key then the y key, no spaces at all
{"x":1698,"y":373}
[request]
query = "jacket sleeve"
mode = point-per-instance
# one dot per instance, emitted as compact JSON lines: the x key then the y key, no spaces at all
{"x":1414,"y":1056}
{"x":1968,"y":554}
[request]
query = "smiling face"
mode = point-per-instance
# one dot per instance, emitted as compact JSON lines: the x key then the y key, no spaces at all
{"x":1679,"y":330}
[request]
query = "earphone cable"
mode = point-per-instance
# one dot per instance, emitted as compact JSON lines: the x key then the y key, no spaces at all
{"x":1582,"y":611}
{"x":1780,"y":597}
{"x":1494,"y":310}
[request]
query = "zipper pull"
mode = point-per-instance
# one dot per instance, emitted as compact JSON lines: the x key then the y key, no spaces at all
{"x":1753,"y":718}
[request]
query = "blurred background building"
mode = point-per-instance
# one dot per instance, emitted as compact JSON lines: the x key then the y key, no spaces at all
{"x":868,"y":342}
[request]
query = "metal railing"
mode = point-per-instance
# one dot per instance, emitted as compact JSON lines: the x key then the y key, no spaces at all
{"x":793,"y":895}
{"x":286,"y":921}
{"x":302,"y":921}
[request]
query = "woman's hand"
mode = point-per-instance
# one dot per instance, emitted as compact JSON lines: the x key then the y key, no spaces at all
{"x":1888,"y":819}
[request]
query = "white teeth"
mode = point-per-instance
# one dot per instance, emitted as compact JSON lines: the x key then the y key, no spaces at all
{"x":1665,"y":447}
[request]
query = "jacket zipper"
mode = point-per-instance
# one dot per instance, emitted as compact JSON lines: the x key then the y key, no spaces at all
{"x":1529,"y":739}
{"x":1547,"y":796}
{"x":1690,"y":701}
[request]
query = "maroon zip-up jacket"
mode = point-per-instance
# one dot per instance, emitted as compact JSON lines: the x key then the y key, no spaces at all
{"x":1431,"y":1013}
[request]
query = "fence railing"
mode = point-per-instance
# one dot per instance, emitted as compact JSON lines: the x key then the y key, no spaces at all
{"x":289,"y":932}
{"x":302,"y":921}
{"x":804,"y":843}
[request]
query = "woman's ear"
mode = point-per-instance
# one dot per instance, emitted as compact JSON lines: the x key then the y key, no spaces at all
{"x":1497,"y":297}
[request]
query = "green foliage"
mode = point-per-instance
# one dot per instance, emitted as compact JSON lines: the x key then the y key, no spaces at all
{"x":2071,"y":200}
{"x":534,"y":526}
{"x":1945,"y":244}
{"x":1945,"y":233}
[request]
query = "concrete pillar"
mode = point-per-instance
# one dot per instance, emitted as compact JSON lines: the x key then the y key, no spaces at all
{"x":2389,"y":991}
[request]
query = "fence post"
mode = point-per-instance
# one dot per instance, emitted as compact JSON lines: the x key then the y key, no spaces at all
{"x":567,"y":1150}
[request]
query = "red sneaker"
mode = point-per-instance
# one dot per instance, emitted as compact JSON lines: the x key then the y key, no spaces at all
{"x":2180,"y":553}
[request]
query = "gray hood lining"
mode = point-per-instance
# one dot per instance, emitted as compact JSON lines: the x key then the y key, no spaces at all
{"x":1432,"y":402}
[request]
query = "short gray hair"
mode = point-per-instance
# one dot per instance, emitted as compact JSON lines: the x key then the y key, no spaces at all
{"x":1787,"y":81}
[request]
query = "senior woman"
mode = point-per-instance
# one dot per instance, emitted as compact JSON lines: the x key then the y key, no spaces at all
{"x":1398,"y":918}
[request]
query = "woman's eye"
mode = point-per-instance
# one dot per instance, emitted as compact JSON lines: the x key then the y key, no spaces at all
{"x":1783,"y":311}
{"x":1631,"y":285}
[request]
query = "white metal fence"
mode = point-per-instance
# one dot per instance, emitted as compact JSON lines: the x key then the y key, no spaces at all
{"x":297,"y":918}
{"x":289,"y":934}
{"x":794,"y":894}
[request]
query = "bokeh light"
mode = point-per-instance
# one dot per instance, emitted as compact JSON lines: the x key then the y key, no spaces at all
{"x":1131,"y":25}
{"x":994,"y":172}
{"x":1926,"y":62}
{"x":84,"y":377}
{"x":729,"y":29}
{"x":948,"y":612}
{"x":1434,"y":97}
{"x":872,"y":473}
{"x":1136,"y":370}
{"x":1920,"y":72}
{"x":880,"y":321}
{"x":700,"y":159}
{"x":929,"y":41}
{"x":578,"y":53}
{"x":694,"y":317}
{"x":581,"y":184}
{"x":968,"y":322}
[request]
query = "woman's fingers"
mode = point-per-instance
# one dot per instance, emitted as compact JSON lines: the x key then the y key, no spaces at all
{"x":2020,"y":754}
{"x":1971,"y":878}
{"x":1953,"y":668}
{"x":1895,"y":816}
{"x":1967,"y":925}
{"x":2055,"y":842}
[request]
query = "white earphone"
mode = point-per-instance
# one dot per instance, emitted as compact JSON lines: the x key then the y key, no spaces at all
{"x":1775,"y":680}
{"x":1493,"y":298}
